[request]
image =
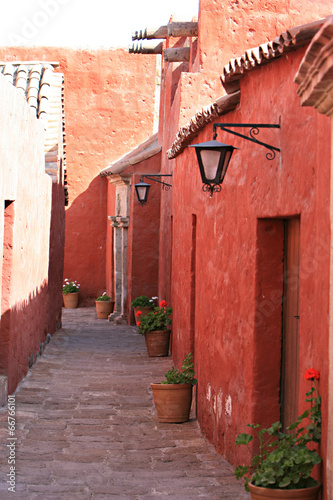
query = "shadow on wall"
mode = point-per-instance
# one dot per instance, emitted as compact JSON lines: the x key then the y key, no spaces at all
{"x":56,"y":254}
{"x":24,"y":330}
{"x":85,"y":240}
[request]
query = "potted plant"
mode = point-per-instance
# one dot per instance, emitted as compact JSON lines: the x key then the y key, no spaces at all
{"x":286,"y":459}
{"x":143,"y":304}
{"x":173,"y":396}
{"x":70,"y":293}
{"x":154,"y":326}
{"x":104,"y":306}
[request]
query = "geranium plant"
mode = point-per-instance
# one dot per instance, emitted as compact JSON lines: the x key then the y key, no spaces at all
{"x":183,"y":376}
{"x":104,"y":297}
{"x":157,"y":319}
{"x":70,"y":287}
{"x":285,"y":459}
{"x":143,"y":301}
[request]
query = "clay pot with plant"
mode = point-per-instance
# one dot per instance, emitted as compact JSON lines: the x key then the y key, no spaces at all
{"x":70,"y":294}
{"x":144,"y":304}
{"x":155,"y":326}
{"x":173,"y":396}
{"x":283,"y":467}
{"x":104,"y":306}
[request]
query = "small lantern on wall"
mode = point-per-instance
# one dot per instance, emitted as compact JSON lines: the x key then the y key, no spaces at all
{"x":213,"y":159}
{"x":142,"y":189}
{"x":214,"y":156}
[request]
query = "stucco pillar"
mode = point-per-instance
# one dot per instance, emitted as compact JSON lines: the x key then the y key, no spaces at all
{"x":316,"y":89}
{"x":120,"y":225}
{"x":120,"y":222}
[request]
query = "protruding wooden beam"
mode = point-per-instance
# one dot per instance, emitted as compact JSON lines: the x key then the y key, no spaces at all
{"x":139,"y":48}
{"x":150,"y":34}
{"x":180,"y":29}
{"x":177,"y":54}
{"x":176,"y":29}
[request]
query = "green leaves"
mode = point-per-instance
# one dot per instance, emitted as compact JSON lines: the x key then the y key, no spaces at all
{"x":183,"y":376}
{"x":143,"y":301}
{"x":285,"y":460}
{"x":158,"y":319}
{"x":244,"y":439}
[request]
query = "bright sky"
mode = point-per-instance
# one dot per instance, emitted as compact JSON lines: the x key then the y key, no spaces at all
{"x":86,"y":23}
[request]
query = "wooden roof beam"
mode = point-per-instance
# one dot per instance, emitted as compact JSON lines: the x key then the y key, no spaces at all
{"x":175,"y":29}
{"x":177,"y":54}
{"x":141,"y":48}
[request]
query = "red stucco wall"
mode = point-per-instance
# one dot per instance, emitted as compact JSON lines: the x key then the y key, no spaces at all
{"x":236,"y":359}
{"x":24,"y":238}
{"x":109,"y":105}
{"x":143,"y":236}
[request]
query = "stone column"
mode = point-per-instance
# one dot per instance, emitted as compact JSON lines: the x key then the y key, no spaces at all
{"x":316,"y":89}
{"x":120,"y":222}
{"x":120,"y":225}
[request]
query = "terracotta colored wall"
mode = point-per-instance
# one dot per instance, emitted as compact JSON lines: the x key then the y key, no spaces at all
{"x":109,"y":107}
{"x":25,"y":237}
{"x":143,"y":237}
{"x":236,"y":365}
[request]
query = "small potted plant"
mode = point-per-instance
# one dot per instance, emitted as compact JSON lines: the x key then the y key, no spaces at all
{"x":143,"y":304}
{"x":104,"y":306}
{"x":173,"y":396}
{"x":70,"y":293}
{"x":286,"y":459}
{"x":155,"y":327}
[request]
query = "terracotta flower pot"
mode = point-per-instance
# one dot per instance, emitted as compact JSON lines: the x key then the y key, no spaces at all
{"x":172,"y":402}
{"x":104,"y":308}
{"x":144,"y":311}
{"x":71,"y":300}
{"x":158,"y":342}
{"x":258,"y":493}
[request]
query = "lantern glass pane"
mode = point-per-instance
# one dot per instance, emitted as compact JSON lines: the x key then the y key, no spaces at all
{"x":210,"y":160}
{"x":141,"y":190}
{"x":226,"y":162}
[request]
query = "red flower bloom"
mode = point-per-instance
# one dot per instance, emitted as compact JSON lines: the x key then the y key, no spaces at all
{"x":163,"y":303}
{"x":138,"y":313}
{"x":138,"y":323}
{"x":311,"y":374}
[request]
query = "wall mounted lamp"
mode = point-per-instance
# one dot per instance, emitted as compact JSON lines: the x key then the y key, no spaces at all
{"x":142,"y":188}
{"x":214,"y":156}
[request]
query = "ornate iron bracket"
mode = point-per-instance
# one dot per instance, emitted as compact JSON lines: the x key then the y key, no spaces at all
{"x":155,"y":177}
{"x":254,"y":131}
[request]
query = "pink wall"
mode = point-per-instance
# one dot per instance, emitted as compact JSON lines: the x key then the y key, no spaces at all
{"x":109,"y":107}
{"x":25,"y":238}
{"x":236,"y":355}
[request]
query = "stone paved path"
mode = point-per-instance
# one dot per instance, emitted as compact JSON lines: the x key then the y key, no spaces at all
{"x":87,"y":428}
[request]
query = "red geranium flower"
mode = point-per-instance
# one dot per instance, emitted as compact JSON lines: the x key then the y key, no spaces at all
{"x":311,"y":374}
{"x":163,"y":303}
{"x":138,"y":323}
{"x":138,"y":313}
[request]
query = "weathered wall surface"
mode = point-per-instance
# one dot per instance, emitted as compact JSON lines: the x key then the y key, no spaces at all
{"x":226,"y":30}
{"x":109,"y":106}
{"x":143,"y":241}
{"x":25,"y":235}
{"x":227,"y":306}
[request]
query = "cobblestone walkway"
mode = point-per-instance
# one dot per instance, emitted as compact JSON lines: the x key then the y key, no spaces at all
{"x":86,"y":426}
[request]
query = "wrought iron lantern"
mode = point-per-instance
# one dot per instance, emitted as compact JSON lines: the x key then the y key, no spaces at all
{"x":214,"y":156}
{"x":141,"y":190}
{"x":213,"y":159}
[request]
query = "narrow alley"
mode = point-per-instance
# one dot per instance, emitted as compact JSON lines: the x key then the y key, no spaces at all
{"x":86,"y":427}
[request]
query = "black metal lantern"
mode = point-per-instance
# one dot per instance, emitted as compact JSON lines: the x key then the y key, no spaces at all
{"x":142,"y":189}
{"x":213,"y":158}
